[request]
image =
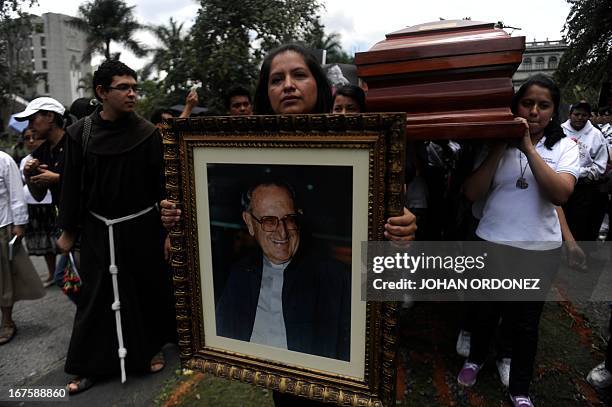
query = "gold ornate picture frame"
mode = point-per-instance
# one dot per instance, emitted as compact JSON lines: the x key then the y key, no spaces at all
{"x":209,"y":161}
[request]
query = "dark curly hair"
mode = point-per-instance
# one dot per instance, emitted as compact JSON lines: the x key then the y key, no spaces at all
{"x":553,"y":131}
{"x":105,"y":72}
{"x":324,"y":95}
{"x":236,"y":91}
{"x":353,"y":92}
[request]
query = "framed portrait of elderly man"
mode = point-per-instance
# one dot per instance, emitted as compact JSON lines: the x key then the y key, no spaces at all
{"x":267,"y":257}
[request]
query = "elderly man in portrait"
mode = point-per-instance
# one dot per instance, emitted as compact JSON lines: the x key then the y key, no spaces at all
{"x":283,"y":295}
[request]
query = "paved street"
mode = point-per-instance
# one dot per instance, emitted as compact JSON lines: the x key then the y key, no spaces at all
{"x":43,"y":333}
{"x":36,"y":356}
{"x":572,"y":338}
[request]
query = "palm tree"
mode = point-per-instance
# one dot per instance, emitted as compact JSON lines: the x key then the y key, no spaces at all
{"x":318,"y":39}
{"x":105,"y":21}
{"x":331,"y":43}
{"x":173,"y":61}
{"x":172,"y":46}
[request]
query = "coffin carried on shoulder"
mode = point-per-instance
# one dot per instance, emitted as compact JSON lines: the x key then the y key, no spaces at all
{"x":453,"y":78}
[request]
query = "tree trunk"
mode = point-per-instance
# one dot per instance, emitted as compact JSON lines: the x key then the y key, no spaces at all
{"x":107,"y":50}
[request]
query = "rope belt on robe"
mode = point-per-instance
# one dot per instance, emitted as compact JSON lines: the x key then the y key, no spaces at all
{"x":116,"y":306}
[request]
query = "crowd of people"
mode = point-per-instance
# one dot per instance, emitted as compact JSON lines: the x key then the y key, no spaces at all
{"x":93,"y":180}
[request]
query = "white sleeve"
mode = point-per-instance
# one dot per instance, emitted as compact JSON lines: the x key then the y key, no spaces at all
{"x":22,"y":164}
{"x":569,"y":160}
{"x":19,"y":207}
{"x":600,"y":157}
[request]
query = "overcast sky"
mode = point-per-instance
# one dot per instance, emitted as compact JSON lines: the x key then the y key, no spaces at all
{"x":363,"y":23}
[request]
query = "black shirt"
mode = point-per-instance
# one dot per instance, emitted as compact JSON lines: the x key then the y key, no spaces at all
{"x":54,"y":158}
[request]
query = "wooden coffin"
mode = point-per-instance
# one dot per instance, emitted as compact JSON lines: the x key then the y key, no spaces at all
{"x":453,"y":78}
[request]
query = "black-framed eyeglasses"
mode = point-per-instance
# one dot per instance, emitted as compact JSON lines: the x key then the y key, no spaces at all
{"x":270,"y":223}
{"x":125,"y":88}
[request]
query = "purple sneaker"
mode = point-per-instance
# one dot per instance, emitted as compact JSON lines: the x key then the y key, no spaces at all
{"x":467,"y":375}
{"x":521,"y":401}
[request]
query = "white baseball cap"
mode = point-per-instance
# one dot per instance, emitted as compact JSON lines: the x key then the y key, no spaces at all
{"x":44,"y":103}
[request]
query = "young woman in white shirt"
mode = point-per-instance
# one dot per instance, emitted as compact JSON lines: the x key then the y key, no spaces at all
{"x":523,"y":181}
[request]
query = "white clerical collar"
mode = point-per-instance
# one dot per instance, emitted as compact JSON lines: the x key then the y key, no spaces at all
{"x":281,"y":266}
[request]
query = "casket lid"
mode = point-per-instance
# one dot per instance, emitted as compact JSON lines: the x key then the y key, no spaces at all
{"x":453,"y":78}
{"x":440,"y":26}
{"x":440,"y":39}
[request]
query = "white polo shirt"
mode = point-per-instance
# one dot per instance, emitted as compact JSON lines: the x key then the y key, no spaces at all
{"x":525,"y":218}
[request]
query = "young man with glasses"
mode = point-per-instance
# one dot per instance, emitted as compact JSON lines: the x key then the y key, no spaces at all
{"x":285,"y":295}
{"x":111,"y":183}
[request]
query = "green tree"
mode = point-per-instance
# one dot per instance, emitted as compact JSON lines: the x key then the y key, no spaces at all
{"x":318,"y":39}
{"x":166,"y":79}
{"x":151,"y":97}
{"x":106,"y":21}
{"x":588,"y":33}
{"x":230,"y":41}
{"x":16,"y":75}
{"x":169,"y":52}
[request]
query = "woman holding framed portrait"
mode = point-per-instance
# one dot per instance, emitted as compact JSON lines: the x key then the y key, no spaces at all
{"x":291,"y":81}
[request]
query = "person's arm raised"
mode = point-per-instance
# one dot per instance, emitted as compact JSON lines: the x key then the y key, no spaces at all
{"x":190,"y":102}
{"x":557,"y":187}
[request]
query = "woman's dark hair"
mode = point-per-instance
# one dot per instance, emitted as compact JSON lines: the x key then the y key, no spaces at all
{"x":61,"y":121}
{"x":82,"y":107}
{"x":156,"y":117}
{"x":553,"y":131}
{"x":353,"y":92}
{"x":324,"y":95}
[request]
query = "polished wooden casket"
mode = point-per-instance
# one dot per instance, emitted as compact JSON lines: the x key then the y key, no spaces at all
{"x":453,"y":78}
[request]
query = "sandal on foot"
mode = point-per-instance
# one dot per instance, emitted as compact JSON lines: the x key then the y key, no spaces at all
{"x":7,"y":332}
{"x":82,"y":384}
{"x":158,"y":362}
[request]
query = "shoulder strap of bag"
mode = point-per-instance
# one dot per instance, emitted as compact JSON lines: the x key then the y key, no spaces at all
{"x":85,"y":141}
{"x":86,"y":134}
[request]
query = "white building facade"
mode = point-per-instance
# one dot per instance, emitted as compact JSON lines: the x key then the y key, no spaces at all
{"x":540,"y":57}
{"x":57,"y":51}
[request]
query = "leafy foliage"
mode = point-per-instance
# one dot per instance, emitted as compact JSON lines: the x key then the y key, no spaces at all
{"x":167,"y":77}
{"x":15,"y":61}
{"x":588,"y":32}
{"x":225,"y":48}
{"x":318,"y":39}
{"x":152,"y":97}
{"x":230,"y":42}
{"x":106,"y":21}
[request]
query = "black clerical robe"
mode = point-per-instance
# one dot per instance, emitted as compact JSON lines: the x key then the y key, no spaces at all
{"x":122,"y":176}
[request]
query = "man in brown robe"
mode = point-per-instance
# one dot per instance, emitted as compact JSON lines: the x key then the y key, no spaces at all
{"x":114,"y":174}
